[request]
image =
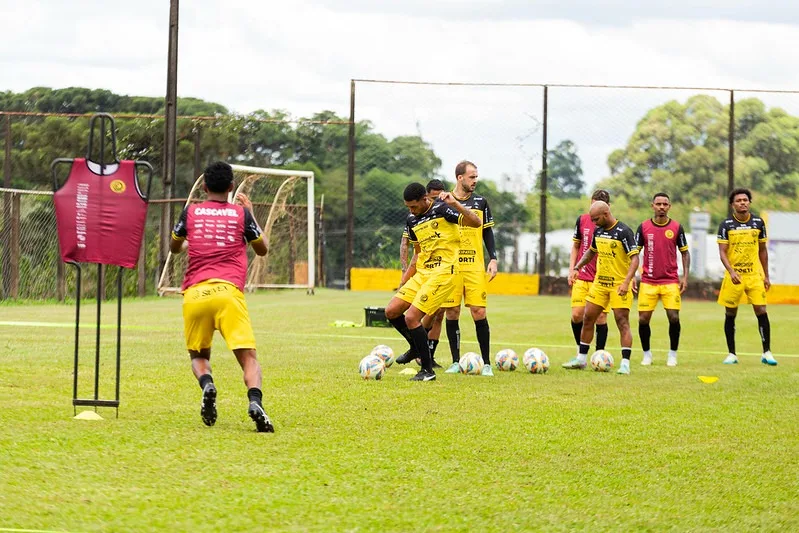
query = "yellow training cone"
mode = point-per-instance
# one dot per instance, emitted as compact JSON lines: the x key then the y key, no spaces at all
{"x":708,"y":379}
{"x":88,"y":415}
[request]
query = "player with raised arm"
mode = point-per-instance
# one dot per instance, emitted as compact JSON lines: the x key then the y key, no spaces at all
{"x":216,"y":234}
{"x":433,"y":230}
{"x":658,"y":239}
{"x":470,"y":282}
{"x":614,"y":245}
{"x":583,"y":235}
{"x":742,"y":248}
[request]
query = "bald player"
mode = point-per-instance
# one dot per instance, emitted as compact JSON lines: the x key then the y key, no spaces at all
{"x":614,"y":246}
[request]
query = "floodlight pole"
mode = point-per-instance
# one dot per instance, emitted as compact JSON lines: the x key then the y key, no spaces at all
{"x":542,"y":243}
{"x":170,"y":137}
{"x":731,"y":152}
{"x":350,"y":191}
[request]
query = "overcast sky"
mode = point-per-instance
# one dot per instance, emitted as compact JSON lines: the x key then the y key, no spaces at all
{"x":300,"y":55}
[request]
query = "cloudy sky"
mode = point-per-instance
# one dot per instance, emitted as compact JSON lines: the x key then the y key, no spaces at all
{"x":300,"y":55}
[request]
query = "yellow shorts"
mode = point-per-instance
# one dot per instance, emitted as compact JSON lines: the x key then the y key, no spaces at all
{"x":607,"y":297}
{"x":649,"y":294}
{"x":213,"y":305}
{"x":473,"y":285}
{"x":427,"y":292}
{"x":731,"y":295}
{"x":580,"y":290}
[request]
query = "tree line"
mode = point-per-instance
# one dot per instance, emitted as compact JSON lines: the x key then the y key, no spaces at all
{"x":679,"y":147}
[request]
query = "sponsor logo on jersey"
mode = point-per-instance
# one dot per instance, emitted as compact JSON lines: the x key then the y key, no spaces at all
{"x":117,"y":186}
{"x":669,"y":234}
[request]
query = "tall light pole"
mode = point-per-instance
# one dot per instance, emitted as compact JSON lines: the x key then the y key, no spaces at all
{"x":170,"y":136}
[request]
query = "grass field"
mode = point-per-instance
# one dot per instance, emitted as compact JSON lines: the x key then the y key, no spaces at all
{"x":569,"y":450}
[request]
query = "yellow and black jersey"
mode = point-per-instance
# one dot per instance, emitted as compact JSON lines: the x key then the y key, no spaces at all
{"x":436,"y":233}
{"x":743,"y":240}
{"x":470,"y":257}
{"x":614,"y":248}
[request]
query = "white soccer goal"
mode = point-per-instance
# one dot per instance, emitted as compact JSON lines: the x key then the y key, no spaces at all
{"x":283,"y":204}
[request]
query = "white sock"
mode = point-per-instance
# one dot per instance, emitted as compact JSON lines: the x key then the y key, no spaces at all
{"x":648,"y":354}
{"x":581,"y":357}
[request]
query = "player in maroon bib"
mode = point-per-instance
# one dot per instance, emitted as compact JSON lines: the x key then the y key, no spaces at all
{"x":216,"y":234}
{"x":583,"y":235}
{"x":659,"y":238}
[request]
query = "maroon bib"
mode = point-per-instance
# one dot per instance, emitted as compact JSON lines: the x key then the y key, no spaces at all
{"x":100,"y":219}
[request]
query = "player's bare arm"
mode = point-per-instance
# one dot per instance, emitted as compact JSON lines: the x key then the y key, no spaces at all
{"x":686,"y":267}
{"x":762,"y":253}
{"x":470,"y":218}
{"x":404,"y":253}
{"x":625,"y":285}
{"x":411,"y":270}
{"x":734,"y":276}
{"x":587,"y":257}
{"x":575,"y":251}
{"x":177,"y":246}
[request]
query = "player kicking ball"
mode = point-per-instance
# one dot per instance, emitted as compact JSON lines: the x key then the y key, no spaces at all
{"x":432,"y":228}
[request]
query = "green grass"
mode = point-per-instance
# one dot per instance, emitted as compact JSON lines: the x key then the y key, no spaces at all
{"x":654,"y":451}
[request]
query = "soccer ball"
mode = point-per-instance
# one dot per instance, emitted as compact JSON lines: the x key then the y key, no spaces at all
{"x":372,"y":367}
{"x":507,"y":360}
{"x":385,"y":353}
{"x":471,"y":363}
{"x":536,"y":361}
{"x":602,"y":361}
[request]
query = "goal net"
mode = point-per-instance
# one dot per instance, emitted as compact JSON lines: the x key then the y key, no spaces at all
{"x":283,"y":205}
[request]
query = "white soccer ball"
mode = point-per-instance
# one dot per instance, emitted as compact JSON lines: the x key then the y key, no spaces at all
{"x":385,"y":353}
{"x":536,"y":361}
{"x":507,"y":360}
{"x":602,"y":361}
{"x":372,"y":367}
{"x":471,"y":363}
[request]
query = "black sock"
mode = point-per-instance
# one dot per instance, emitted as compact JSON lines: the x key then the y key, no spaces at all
{"x":400,"y":325}
{"x":645,"y":334}
{"x":729,"y":332}
{"x":765,"y":331}
{"x":674,"y":335}
{"x":601,"y":336}
{"x":254,"y":395}
{"x":577,"y":327}
{"x":484,"y":339}
{"x":433,"y":344}
{"x":419,"y":336}
{"x":454,"y":337}
{"x":626,"y":353}
{"x":205,"y":378}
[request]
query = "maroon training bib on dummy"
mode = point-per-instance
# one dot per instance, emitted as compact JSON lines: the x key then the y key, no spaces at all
{"x":100,"y":219}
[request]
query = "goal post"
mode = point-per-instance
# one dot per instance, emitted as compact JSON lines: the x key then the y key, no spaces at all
{"x":283,"y":205}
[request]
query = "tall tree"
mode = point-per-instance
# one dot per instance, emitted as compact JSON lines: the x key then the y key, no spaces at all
{"x":565,"y":171}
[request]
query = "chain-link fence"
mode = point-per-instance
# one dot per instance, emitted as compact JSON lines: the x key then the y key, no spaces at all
{"x":693,"y":143}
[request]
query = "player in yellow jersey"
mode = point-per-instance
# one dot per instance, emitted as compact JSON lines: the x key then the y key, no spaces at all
{"x":432,"y":323}
{"x":617,"y":260}
{"x":433,"y":230}
{"x":742,"y":248}
{"x":471,"y":282}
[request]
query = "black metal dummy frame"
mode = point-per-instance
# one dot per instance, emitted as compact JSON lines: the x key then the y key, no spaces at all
{"x":96,"y":401}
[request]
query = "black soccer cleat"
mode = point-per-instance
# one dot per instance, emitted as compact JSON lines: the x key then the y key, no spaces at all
{"x":208,"y":407}
{"x":436,"y":365}
{"x":424,"y":375}
{"x":262,"y":422}
{"x":405,"y":358}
